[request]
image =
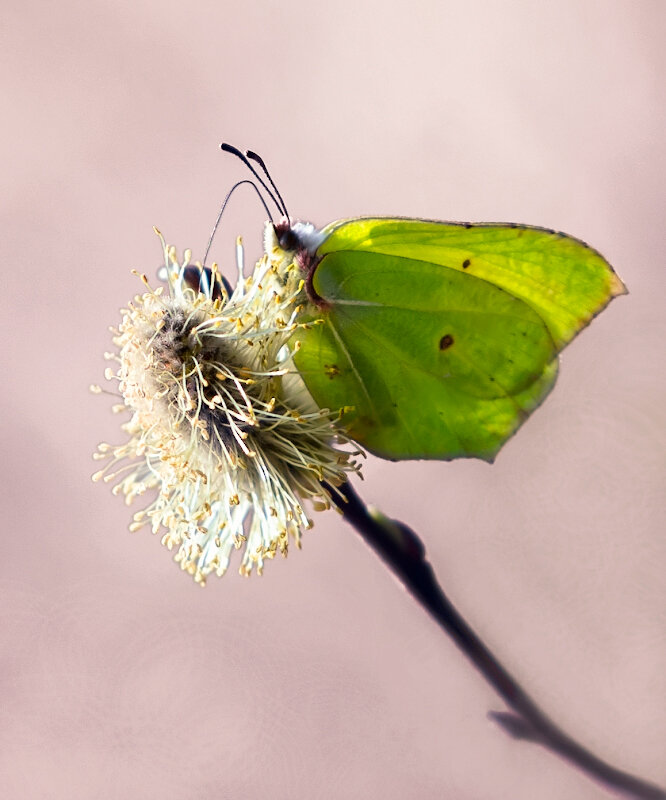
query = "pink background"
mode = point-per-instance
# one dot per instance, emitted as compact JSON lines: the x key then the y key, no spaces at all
{"x":122,"y":679}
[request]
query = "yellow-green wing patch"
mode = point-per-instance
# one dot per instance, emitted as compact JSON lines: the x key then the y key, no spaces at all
{"x":566,"y":282}
{"x":436,"y":363}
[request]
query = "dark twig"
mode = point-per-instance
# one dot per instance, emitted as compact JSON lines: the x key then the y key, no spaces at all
{"x":405,"y":554}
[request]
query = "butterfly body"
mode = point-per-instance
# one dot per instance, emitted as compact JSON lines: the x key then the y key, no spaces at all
{"x":438,"y":338}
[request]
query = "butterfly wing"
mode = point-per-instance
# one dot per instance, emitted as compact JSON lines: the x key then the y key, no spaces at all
{"x":444,"y":337}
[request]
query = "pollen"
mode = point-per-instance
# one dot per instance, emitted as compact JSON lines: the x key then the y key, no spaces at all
{"x":222,"y":436}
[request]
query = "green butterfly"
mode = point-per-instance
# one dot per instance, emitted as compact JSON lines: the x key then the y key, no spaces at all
{"x":439,"y":339}
{"x":442,"y":337}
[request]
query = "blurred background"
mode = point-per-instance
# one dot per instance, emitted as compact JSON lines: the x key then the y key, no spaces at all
{"x":120,"y":677}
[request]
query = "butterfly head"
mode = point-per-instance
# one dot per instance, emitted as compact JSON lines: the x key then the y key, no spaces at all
{"x":297,"y":236}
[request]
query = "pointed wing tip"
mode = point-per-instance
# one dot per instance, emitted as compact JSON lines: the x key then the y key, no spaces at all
{"x":617,"y":287}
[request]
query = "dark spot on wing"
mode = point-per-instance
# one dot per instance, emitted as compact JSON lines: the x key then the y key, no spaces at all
{"x":445,"y":342}
{"x":466,"y":263}
{"x":331,"y":370}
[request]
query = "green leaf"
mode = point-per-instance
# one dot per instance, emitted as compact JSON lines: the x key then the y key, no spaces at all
{"x":444,"y":337}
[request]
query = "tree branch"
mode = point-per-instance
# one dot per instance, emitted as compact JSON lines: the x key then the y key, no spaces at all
{"x":404,"y":553}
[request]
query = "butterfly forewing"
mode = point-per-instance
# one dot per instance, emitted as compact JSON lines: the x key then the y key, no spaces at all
{"x":566,"y":282}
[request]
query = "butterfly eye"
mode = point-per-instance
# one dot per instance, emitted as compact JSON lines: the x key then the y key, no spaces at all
{"x":287,"y":238}
{"x":202,"y":280}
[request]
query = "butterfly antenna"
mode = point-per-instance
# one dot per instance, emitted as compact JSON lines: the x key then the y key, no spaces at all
{"x":229,"y":148}
{"x":224,"y":205}
{"x":255,"y":157}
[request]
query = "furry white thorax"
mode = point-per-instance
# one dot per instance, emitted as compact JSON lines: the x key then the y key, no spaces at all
{"x":309,"y":236}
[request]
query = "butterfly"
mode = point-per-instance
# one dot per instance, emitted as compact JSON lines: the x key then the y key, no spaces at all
{"x":437,"y":339}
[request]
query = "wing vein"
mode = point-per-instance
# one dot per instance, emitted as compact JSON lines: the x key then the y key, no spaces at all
{"x":352,"y":366}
